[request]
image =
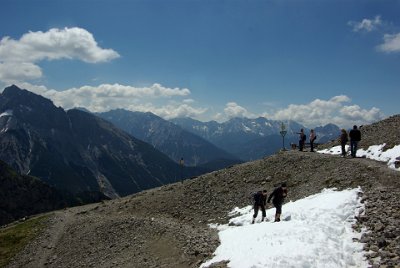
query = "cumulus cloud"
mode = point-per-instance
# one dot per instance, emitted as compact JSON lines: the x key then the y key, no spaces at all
{"x":106,"y":97}
{"x":232,"y":109}
{"x":18,"y":57}
{"x":13,"y":71}
{"x":177,"y":110}
{"x":366,"y":25}
{"x":391,"y":43}
{"x":337,"y":110}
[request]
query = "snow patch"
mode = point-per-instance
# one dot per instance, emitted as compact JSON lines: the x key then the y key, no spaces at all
{"x":336,"y":150}
{"x":7,"y":113}
{"x":246,"y":128}
{"x":374,"y":152}
{"x":318,"y":233}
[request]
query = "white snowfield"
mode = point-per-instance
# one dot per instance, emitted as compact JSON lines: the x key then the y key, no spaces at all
{"x":317,"y":233}
{"x":375,"y":152}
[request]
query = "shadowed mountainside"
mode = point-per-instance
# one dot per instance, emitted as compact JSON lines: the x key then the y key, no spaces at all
{"x":77,"y":151}
{"x":22,"y":196}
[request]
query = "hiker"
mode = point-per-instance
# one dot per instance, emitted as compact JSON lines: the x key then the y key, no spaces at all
{"x":313,"y":137}
{"x":278,"y":196}
{"x":302,"y":139}
{"x":259,"y":203}
{"x":343,"y":141}
{"x":355,"y":137}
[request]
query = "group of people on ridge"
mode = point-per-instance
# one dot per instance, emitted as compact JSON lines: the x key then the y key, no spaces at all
{"x":355,"y":137}
{"x":303,"y":138}
{"x":277,"y":196}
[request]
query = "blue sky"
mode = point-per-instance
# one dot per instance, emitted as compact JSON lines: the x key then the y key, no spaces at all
{"x":311,"y":61}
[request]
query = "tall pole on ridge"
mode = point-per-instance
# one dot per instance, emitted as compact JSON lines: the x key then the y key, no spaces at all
{"x":283,"y":133}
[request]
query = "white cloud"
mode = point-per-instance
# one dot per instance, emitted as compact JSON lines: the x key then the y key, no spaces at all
{"x":232,"y":109}
{"x":189,"y":101}
{"x":391,"y":43}
{"x":322,"y":112}
{"x":106,"y":97}
{"x":21,"y":55}
{"x":366,"y":25}
{"x":177,"y":110}
{"x":356,"y":113}
{"x":12,"y":71}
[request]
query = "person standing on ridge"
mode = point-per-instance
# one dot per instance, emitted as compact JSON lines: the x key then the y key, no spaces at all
{"x":302,"y":139}
{"x":355,"y":137}
{"x":259,"y":203}
{"x":343,"y":141}
{"x":313,"y":137}
{"x":278,"y":196}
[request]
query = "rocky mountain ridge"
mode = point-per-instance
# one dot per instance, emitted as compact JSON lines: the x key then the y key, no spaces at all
{"x":169,"y":138}
{"x":168,"y":226}
{"x":251,"y":139}
{"x":77,"y":151}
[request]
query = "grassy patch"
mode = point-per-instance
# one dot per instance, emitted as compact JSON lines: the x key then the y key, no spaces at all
{"x":15,"y":238}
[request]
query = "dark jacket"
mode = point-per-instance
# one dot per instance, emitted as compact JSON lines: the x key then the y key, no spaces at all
{"x":355,"y":135}
{"x":259,"y":199}
{"x":278,"y":195}
{"x":343,"y":138}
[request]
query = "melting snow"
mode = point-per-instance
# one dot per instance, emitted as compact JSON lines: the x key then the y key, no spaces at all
{"x":374,"y":152}
{"x":317,"y":233}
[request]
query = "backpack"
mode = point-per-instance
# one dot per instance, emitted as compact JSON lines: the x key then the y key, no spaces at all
{"x":304,"y":138}
{"x":257,"y":197}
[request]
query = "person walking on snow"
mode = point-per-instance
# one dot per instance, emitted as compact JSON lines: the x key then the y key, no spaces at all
{"x":355,"y":137}
{"x":278,"y":196}
{"x":259,"y":203}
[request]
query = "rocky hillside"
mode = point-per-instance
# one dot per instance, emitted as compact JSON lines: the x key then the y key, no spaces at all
{"x":167,"y":226}
{"x":385,"y":131}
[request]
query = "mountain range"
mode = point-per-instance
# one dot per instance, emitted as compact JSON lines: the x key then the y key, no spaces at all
{"x":78,"y":151}
{"x":83,"y":157}
{"x":250,"y":139}
{"x":170,"y":139}
{"x":213,"y":145}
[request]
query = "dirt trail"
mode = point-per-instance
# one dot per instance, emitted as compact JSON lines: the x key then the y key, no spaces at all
{"x":40,"y":252}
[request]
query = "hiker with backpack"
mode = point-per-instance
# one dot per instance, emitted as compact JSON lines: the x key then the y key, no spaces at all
{"x":259,"y":203}
{"x":278,"y":196}
{"x":302,"y":139}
